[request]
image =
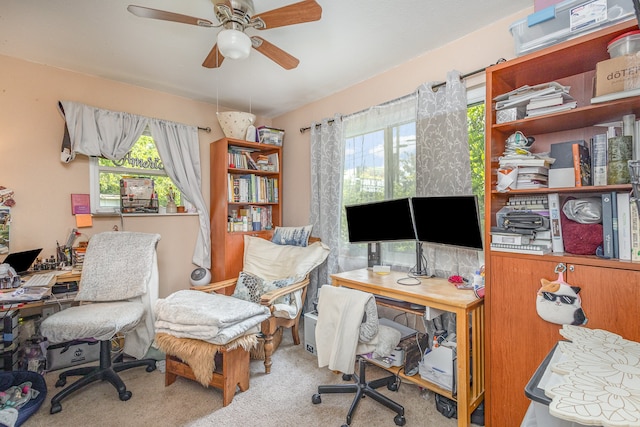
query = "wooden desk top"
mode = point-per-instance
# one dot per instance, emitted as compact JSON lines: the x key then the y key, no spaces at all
{"x":432,"y":291}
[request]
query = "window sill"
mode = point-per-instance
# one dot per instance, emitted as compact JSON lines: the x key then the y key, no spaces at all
{"x":133,"y":215}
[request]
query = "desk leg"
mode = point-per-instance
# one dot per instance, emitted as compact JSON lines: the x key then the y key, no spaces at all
{"x":463,"y":370}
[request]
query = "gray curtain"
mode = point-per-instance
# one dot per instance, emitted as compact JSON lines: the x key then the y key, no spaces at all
{"x":180,"y":153}
{"x":327,"y":158}
{"x":111,"y":134}
{"x":442,"y":163}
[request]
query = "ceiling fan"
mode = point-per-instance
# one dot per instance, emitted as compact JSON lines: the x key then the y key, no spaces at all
{"x":235,"y":16}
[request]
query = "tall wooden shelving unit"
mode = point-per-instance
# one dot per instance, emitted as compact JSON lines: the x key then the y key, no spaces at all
{"x":517,"y":339}
{"x":227,"y":247}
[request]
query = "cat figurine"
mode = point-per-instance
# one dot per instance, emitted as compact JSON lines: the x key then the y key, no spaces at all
{"x":558,"y":302}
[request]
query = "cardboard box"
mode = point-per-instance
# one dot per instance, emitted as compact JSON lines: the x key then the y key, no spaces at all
{"x":511,"y":114}
{"x":618,"y":74}
{"x":72,"y":353}
{"x":310,"y":320}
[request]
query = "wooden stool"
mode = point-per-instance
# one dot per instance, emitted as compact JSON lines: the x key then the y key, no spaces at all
{"x":232,"y":371}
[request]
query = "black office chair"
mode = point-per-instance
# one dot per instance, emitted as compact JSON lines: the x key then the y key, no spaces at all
{"x":332,"y":299}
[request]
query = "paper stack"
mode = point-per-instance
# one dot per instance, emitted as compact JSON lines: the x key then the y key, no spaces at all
{"x":545,"y":98}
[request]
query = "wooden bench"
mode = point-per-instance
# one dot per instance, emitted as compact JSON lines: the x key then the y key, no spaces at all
{"x":232,"y":370}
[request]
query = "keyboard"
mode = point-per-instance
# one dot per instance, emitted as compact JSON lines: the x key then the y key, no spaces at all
{"x":40,"y":280}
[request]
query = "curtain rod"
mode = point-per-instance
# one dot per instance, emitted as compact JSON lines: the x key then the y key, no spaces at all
{"x":207,"y":129}
{"x":434,"y":88}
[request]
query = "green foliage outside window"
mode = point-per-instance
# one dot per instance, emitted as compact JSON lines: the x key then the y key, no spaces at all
{"x":144,"y":157}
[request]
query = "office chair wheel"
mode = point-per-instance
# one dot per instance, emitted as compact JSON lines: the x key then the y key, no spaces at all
{"x":393,"y":386}
{"x":126,"y":395}
{"x":61,"y":382}
{"x":399,"y":420}
{"x":151,"y":368}
{"x":315,"y":399}
{"x":55,"y":408}
{"x":346,"y":377}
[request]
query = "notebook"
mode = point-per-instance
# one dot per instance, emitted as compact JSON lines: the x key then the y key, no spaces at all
{"x":21,"y":261}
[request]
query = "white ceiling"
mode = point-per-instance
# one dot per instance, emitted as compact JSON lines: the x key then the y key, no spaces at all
{"x":353,"y":41}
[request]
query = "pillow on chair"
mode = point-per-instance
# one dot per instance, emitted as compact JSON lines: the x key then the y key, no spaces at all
{"x":295,"y":236}
{"x":271,"y":261}
{"x":250,"y":287}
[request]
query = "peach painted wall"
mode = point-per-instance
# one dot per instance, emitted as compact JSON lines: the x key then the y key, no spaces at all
{"x":474,"y":51}
{"x":31,"y":130}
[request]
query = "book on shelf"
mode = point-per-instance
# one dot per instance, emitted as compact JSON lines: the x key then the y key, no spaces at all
{"x":607,"y":226}
{"x":562,"y":172}
{"x":521,"y":249}
{"x":619,"y":152}
{"x":581,"y":165}
{"x":250,"y":162}
{"x":624,"y":225}
{"x":599,"y":159}
{"x":634,"y":216}
{"x":549,"y":100}
{"x":614,"y":218}
{"x":555,"y":223}
{"x":552,"y":109}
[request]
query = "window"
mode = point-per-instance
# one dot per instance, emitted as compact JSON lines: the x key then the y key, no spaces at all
{"x":142,"y":161}
{"x":380,"y":164}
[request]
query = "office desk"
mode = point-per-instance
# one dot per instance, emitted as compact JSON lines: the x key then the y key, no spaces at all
{"x":60,"y":279}
{"x":437,"y":293}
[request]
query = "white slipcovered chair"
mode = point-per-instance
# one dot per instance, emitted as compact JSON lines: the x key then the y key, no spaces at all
{"x":118,"y":286}
{"x":274,"y":276}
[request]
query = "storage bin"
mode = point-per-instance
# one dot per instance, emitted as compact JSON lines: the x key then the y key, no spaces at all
{"x":310,"y":320}
{"x":273,"y":136}
{"x":72,"y":353}
{"x":572,"y":18}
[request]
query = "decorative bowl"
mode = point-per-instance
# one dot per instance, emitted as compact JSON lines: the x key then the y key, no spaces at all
{"x":234,"y":124}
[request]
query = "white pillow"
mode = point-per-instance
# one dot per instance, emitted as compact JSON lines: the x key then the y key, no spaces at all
{"x":271,"y":261}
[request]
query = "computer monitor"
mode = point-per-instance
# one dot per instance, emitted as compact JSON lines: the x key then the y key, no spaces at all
{"x":447,"y":220}
{"x":381,"y":221}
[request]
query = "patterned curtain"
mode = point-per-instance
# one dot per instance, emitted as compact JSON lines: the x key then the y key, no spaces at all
{"x":442,"y":163}
{"x":327,"y":158}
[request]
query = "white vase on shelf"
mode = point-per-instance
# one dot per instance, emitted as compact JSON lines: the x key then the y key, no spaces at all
{"x":171,"y":207}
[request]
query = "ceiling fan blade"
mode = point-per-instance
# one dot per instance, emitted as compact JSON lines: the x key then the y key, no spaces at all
{"x":214,"y":59}
{"x":274,"y":53}
{"x":297,"y":13}
{"x":146,"y":12}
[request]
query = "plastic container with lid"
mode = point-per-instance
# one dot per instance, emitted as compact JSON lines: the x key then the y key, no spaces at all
{"x":624,"y":44}
{"x":573,"y":18}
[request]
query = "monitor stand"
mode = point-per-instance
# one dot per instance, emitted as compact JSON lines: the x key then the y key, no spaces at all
{"x":420,"y":269}
{"x":373,"y":254}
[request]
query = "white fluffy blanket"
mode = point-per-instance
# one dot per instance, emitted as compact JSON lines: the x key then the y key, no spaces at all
{"x":214,"y":318}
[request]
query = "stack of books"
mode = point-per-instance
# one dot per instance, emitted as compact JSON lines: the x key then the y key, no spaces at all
{"x":540,"y":99}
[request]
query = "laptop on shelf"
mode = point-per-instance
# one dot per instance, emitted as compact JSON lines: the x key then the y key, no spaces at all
{"x":21,"y":261}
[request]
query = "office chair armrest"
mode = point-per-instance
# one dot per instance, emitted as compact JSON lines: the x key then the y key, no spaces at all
{"x":268,"y":298}
{"x":217,"y":286}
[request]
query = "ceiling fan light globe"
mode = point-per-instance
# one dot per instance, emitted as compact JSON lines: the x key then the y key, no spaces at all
{"x":234,"y":44}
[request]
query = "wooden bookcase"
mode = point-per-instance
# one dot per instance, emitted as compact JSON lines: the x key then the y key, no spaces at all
{"x":517,"y":339}
{"x":227,"y":247}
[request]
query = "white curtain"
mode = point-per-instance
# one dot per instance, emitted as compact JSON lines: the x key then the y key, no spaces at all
{"x":96,"y":132}
{"x":180,"y":153}
{"x":327,"y":156}
{"x":359,"y":129}
{"x":442,"y":163}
